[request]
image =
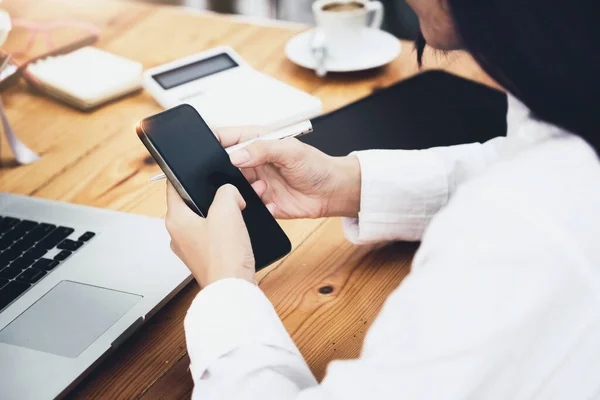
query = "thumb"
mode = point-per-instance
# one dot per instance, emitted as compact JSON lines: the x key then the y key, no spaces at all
{"x":283,"y":152}
{"x":176,"y":207}
{"x":227,"y":199}
{"x":229,"y":136}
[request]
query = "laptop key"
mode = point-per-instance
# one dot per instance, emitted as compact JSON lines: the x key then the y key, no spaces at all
{"x":63,"y":255}
{"x":11,"y":291}
{"x":55,"y":237}
{"x":4,"y":262}
{"x":87,"y":236}
{"x":7,"y":224}
{"x":22,"y":263}
{"x":35,"y":253}
{"x":45,"y":264}
{"x":21,"y":229}
{"x":9,"y":254}
{"x":22,"y":245}
{"x":31,"y":275}
{"x":14,"y":234}
{"x":5,"y":243}
{"x":26,"y":225}
{"x":3,"y":282}
{"x":70,"y":245}
{"x":39,"y":232}
{"x":10,"y":273}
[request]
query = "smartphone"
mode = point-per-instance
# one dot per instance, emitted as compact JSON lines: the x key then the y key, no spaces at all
{"x":197,"y":165}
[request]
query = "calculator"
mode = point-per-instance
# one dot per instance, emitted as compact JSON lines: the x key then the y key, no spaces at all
{"x":228,"y":92}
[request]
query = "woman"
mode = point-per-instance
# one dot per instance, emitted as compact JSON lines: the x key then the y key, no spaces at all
{"x":503,"y":301}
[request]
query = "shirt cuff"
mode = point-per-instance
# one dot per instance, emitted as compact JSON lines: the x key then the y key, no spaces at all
{"x":401,"y":190}
{"x":226,"y":315}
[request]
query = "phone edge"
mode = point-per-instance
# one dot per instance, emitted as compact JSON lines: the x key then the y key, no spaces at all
{"x":165,"y":168}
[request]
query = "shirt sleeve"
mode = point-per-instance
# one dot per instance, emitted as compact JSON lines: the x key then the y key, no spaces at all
{"x":485,"y":316}
{"x":238,"y":346}
{"x":401,"y":190}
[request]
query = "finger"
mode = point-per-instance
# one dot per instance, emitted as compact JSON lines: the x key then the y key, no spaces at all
{"x":172,"y":195}
{"x":260,"y":187}
{"x":227,"y":201}
{"x":174,"y":201}
{"x":229,"y":136}
{"x":175,"y":204}
{"x":178,"y":213}
{"x":283,"y":152}
{"x":174,"y":248}
{"x":250,"y":174}
{"x":271,"y":207}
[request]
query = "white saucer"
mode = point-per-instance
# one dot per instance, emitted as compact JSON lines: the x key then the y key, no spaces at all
{"x":377,"y":48}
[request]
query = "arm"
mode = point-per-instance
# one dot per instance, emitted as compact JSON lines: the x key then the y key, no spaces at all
{"x":394,"y":193}
{"x":239,"y":348}
{"x":479,"y":323}
{"x":401,"y":190}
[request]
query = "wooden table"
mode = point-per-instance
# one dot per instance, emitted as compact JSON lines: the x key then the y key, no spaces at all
{"x":327,"y":292}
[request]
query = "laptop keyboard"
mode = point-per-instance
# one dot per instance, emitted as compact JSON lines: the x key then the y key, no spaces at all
{"x":30,"y":250}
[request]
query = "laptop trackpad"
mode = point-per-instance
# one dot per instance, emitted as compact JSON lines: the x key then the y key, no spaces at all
{"x":68,"y":318}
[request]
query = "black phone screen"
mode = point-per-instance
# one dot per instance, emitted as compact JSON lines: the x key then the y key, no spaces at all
{"x":197,"y":159}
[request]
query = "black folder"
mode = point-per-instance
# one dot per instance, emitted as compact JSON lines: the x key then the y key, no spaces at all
{"x":431,"y":109}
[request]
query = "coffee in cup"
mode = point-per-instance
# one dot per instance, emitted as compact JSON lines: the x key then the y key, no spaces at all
{"x":343,"y":6}
{"x":344,"y":21}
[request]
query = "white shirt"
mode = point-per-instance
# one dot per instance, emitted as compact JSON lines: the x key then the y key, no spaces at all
{"x":503,"y":301}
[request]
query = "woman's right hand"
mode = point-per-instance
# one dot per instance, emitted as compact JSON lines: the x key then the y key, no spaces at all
{"x":296,"y":180}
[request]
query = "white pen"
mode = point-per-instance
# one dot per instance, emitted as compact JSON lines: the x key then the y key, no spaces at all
{"x":296,"y":130}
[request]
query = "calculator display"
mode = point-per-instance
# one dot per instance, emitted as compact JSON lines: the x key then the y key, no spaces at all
{"x":195,"y":70}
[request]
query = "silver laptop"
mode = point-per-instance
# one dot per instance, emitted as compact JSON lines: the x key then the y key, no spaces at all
{"x":75,"y":282}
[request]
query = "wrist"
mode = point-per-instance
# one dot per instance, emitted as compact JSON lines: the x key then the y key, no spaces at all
{"x":205,"y":281}
{"x":215,"y":271}
{"x":344,"y":200}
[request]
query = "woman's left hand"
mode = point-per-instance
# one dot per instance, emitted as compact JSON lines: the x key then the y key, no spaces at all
{"x":215,"y":247}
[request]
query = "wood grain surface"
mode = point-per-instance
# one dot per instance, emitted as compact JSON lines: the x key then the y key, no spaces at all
{"x":326,"y":291}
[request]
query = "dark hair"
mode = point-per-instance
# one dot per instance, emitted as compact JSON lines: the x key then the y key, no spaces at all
{"x":546,"y":53}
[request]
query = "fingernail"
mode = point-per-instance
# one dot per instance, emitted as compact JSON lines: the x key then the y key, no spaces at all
{"x":240,"y":157}
{"x":271,"y":208}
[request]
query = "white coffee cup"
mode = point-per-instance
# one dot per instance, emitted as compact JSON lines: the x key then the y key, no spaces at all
{"x":343,"y":22}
